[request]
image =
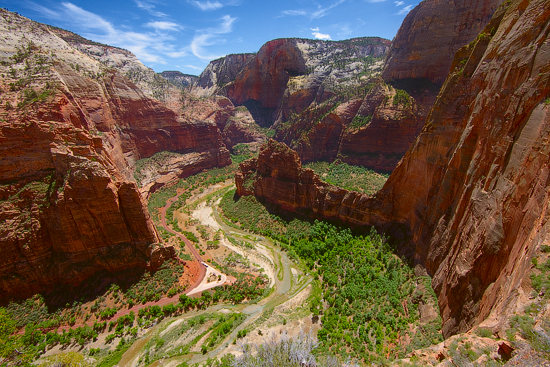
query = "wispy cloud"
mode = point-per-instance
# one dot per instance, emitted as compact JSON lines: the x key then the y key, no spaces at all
{"x":193,"y":67}
{"x":164,"y":26}
{"x":150,"y":8}
{"x":294,"y":12}
{"x":209,"y":5}
{"x":206,"y":5}
{"x":399,"y":3}
{"x":154,"y":46}
{"x":87,"y":19}
{"x":209,"y":37}
{"x":342,"y":29}
{"x":312,"y":14}
{"x":405,"y":10}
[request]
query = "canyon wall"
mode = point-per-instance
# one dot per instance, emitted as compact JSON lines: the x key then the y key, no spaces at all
{"x":70,"y":132}
{"x":470,"y":195}
{"x":218,"y":73}
{"x":431,"y":34}
{"x":339,"y":100}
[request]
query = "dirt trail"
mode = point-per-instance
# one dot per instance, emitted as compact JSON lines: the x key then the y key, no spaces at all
{"x":163,"y":301}
{"x":188,"y":243}
{"x":286,"y":293}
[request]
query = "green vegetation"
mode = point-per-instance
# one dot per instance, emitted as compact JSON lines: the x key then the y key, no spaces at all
{"x":162,"y":346}
{"x":248,"y":213}
{"x":370,"y":295}
{"x":360,"y":121}
{"x":401,"y":98}
{"x":353,"y":178}
{"x":68,"y":359}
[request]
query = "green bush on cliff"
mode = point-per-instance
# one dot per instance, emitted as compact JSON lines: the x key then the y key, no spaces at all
{"x":401,"y":98}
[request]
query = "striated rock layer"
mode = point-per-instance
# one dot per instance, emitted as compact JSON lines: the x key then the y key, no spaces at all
{"x":431,"y":34}
{"x":471,"y":194}
{"x":70,"y":132}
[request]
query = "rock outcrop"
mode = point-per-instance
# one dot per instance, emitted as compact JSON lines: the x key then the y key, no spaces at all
{"x":218,"y":73}
{"x":326,"y":100}
{"x":179,"y":79}
{"x":277,"y":175}
{"x":431,"y":34}
{"x":471,"y":193}
{"x":152,"y":84}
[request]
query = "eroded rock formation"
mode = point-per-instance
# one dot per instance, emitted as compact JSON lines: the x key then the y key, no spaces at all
{"x":326,"y":100}
{"x":431,"y":34}
{"x":71,"y":130}
{"x":472,"y":191}
{"x":218,"y":73}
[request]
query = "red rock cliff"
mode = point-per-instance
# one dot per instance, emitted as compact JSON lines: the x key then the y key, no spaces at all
{"x":472,"y":191}
{"x":70,"y":132}
{"x":430,"y":35}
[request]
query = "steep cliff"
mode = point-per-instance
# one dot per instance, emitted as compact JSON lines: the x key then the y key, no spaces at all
{"x":70,"y":132}
{"x":218,"y":73}
{"x":179,"y":79}
{"x":473,"y":189}
{"x":277,"y":175}
{"x":471,"y":193}
{"x":326,"y":100}
{"x":153,"y":85}
{"x":431,"y":34}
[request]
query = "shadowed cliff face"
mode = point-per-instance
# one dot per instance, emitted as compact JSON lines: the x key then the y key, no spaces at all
{"x":472,"y":191}
{"x":431,"y":33}
{"x":474,"y":187}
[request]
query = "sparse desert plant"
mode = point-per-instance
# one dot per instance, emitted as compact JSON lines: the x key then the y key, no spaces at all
{"x":284,"y":352}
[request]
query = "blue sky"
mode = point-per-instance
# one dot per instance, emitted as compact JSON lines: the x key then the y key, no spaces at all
{"x":185,"y":35}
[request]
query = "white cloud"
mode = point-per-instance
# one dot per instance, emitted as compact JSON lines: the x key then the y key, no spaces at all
{"x":87,"y":19}
{"x":209,"y":37}
{"x":312,"y":14}
{"x":321,"y":36}
{"x":399,"y":3}
{"x":151,"y":47}
{"x":193,"y":67}
{"x":294,"y":12}
{"x":150,"y":8}
{"x":164,"y":26}
{"x":206,"y":5}
{"x":405,"y":10}
{"x":177,"y":54}
{"x":316,"y":29}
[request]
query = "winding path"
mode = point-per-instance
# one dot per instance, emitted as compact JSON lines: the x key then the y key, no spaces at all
{"x":198,"y":258}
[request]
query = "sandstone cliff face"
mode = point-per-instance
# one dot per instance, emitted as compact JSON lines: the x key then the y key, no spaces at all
{"x":476,"y":184}
{"x":179,"y":79}
{"x":277,"y":175}
{"x":471,"y":194}
{"x":70,"y":132}
{"x":431,"y":34}
{"x":325,"y":100}
{"x":374,"y":131}
{"x":153,"y":85}
{"x":218,"y":73}
{"x":286,"y":75}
